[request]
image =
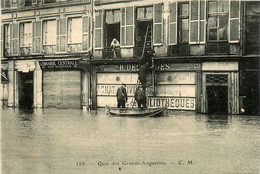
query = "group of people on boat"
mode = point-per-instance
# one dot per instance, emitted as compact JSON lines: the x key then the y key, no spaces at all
{"x":140,"y":94}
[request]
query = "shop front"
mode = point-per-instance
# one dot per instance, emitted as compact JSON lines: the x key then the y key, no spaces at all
{"x":62,"y":84}
{"x":172,"y":84}
{"x":220,"y":88}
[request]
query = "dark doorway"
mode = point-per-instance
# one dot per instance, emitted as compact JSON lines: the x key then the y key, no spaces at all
{"x":25,"y":89}
{"x":217,"y":100}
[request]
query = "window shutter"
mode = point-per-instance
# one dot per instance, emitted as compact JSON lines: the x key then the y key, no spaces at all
{"x":37,"y":34}
{"x":85,"y":33}
{"x":62,"y":35}
{"x":2,"y":41}
{"x":197,"y":21}
{"x":234,"y":21}
{"x":98,"y":29}
{"x":158,"y":24}
{"x":173,"y":23}
{"x":15,"y":37}
{"x":21,"y":34}
{"x":45,"y":32}
{"x":122,"y":23}
{"x":129,"y":26}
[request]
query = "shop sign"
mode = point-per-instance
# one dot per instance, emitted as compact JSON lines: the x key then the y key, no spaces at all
{"x":172,"y":102}
{"x":60,"y":64}
{"x":110,"y":90}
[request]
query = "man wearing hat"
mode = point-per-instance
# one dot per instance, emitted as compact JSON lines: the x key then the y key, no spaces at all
{"x":121,"y":96}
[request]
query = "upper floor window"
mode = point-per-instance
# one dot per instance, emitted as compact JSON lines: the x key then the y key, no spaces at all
{"x":74,"y":30}
{"x":49,"y":32}
{"x":9,"y":3}
{"x":218,"y":20}
{"x":26,"y":34}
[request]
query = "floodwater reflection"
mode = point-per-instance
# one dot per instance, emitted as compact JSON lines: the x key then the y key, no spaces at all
{"x":55,"y":140}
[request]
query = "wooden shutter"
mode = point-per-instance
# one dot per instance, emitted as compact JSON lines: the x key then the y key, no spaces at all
{"x":122,"y":31}
{"x":37,"y":35}
{"x":21,"y":34}
{"x":2,"y":41}
{"x":98,"y":29}
{"x":173,"y":23}
{"x":62,"y":35}
{"x":85,"y":33}
{"x":14,"y":38}
{"x":234,"y":21}
{"x":129,"y":26}
{"x":158,"y":24}
{"x":197,"y":21}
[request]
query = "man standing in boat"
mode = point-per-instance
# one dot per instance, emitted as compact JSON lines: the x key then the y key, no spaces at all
{"x":121,"y":96}
{"x":140,"y":97}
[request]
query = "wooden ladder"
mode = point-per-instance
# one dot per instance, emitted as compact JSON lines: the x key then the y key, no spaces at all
{"x":147,"y":39}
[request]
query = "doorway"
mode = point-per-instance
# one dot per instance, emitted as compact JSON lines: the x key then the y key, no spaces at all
{"x":25,"y":89}
{"x":141,"y":29}
{"x":217,"y":100}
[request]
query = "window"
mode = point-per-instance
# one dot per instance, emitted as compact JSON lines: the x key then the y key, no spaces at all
{"x":127,"y":26}
{"x":144,"y":13}
{"x":26,"y":34}
{"x":197,"y":21}
{"x":49,"y":32}
{"x":7,"y":36}
{"x":158,"y":24}
{"x":98,"y":29}
{"x":28,"y":2}
{"x":74,"y":30}
{"x":49,"y":1}
{"x":173,"y":23}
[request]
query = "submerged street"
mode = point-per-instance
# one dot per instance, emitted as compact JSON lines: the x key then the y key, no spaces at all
{"x":62,"y":141}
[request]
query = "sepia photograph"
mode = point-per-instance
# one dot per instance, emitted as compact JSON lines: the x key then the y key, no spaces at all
{"x":130,"y":87}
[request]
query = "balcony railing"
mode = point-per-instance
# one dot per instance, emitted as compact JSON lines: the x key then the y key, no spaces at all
{"x":108,"y":53}
{"x":25,"y":51}
{"x":77,"y":47}
{"x":180,"y":49}
{"x":218,"y":48}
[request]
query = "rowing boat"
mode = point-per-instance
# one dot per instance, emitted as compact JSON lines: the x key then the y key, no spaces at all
{"x":135,"y":112}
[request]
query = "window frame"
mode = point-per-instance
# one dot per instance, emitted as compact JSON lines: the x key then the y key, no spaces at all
{"x":101,"y":13}
{"x":124,"y":45}
{"x":43,"y":32}
{"x":198,"y":21}
{"x":171,"y":23}
{"x":69,"y":19}
{"x":22,"y":24}
{"x":158,"y":23}
{"x":239,"y":22}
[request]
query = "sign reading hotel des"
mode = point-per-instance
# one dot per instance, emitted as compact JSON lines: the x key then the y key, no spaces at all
{"x":158,"y":67}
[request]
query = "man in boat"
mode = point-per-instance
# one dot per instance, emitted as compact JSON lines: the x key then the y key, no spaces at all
{"x":140,"y":97}
{"x":121,"y":96}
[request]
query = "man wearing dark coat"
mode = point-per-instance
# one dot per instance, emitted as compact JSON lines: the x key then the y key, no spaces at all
{"x":121,"y":96}
{"x":142,"y":74}
{"x":140,"y":97}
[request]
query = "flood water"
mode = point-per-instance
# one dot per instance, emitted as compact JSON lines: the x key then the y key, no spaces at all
{"x":77,"y":142}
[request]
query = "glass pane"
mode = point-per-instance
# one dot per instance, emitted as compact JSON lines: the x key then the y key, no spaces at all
{"x":185,"y":9}
{"x":213,"y":34}
{"x":212,"y":23}
{"x":223,"y":24}
{"x":234,"y":30}
{"x":149,"y":12}
{"x":157,"y":33}
{"x":173,"y":31}
{"x":213,"y":8}
{"x":62,"y":43}
{"x":194,"y":10}
{"x":129,"y":35}
{"x":122,"y":36}
{"x":98,"y":20}
{"x":63,"y":26}
{"x":116,"y":15}
{"x":234,"y":9}
{"x":194,"y":32}
{"x":202,"y":9}
{"x":85,"y":42}
{"x":223,"y":6}
{"x":85,"y":25}
{"x":158,"y":13}
{"x":140,"y":13}
{"x":185,"y":36}
{"x":202,"y":27}
{"x":185,"y":24}
{"x":97,"y":38}
{"x":123,"y":17}
{"x":173,"y":12}
{"x":109,"y":16}
{"x":129,"y":15}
